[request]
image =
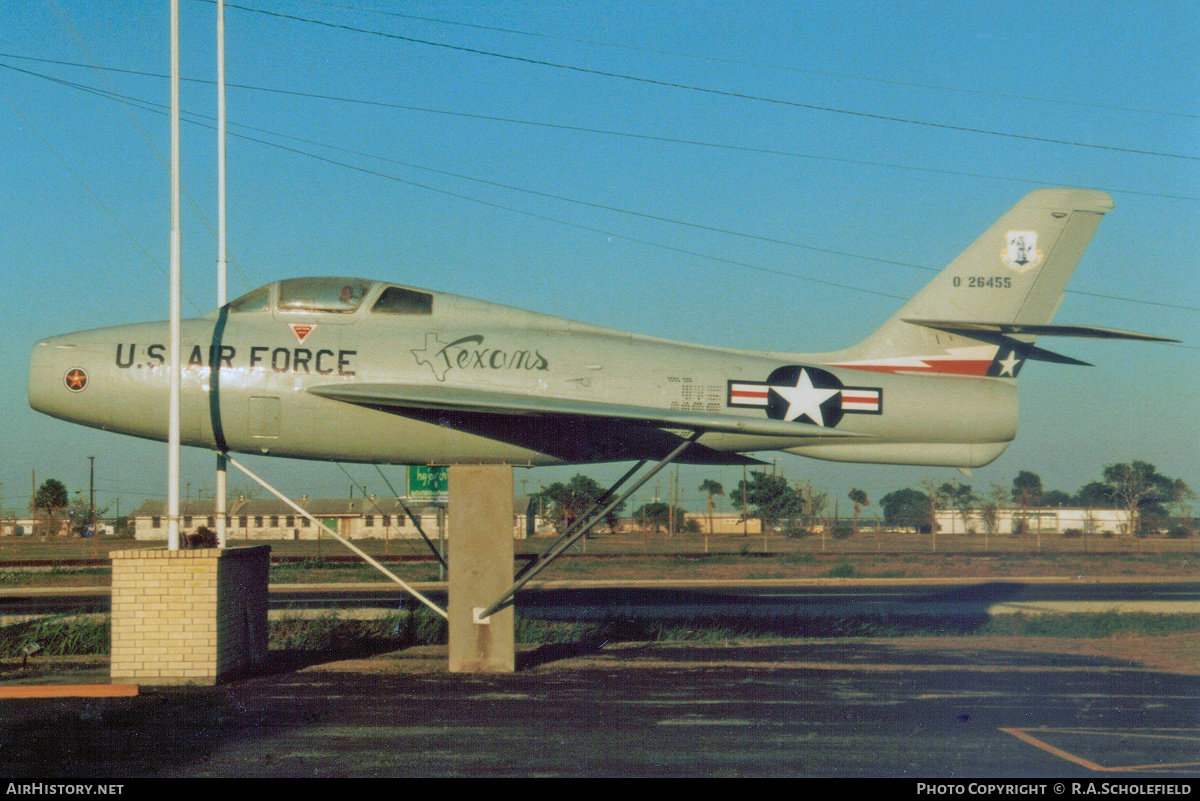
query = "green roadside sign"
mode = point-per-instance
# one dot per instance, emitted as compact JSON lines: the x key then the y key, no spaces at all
{"x":428,"y":484}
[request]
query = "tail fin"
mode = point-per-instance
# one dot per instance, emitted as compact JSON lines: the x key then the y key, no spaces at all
{"x":1013,"y":275}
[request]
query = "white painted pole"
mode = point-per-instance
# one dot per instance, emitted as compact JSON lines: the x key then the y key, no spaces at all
{"x":222,"y":287}
{"x":221,"y":242}
{"x":176,"y":240}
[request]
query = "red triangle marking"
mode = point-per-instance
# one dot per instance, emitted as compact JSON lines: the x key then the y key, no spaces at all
{"x":302,"y":330}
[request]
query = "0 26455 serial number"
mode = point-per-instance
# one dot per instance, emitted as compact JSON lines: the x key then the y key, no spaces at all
{"x":982,"y":282}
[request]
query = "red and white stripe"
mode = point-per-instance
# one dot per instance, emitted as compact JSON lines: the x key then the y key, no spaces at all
{"x":749,"y":394}
{"x":860,"y":400}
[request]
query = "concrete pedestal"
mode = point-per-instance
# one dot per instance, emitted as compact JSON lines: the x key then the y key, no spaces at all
{"x":481,"y":568}
{"x":188,"y":617}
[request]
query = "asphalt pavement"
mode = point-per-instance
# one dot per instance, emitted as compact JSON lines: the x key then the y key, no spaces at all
{"x":834,"y":708}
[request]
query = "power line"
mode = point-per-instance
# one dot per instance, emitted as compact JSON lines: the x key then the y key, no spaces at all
{"x":158,"y":108}
{"x":743,"y":63}
{"x":87,"y":188}
{"x":79,"y":41}
{"x":376,"y":173}
{"x":651,"y":243}
{"x":573,"y":128}
{"x":711,"y":91}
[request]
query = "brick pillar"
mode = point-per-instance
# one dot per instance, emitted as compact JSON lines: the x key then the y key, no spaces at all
{"x":188,"y":617}
{"x":481,"y":568}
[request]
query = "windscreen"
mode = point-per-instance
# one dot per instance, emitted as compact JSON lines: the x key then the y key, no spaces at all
{"x":251,"y":301}
{"x":338,"y":295}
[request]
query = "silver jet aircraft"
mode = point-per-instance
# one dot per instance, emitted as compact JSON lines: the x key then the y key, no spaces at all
{"x":360,"y":370}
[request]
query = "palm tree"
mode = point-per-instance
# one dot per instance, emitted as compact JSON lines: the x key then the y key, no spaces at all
{"x":712,"y":488}
{"x":860,"y":500}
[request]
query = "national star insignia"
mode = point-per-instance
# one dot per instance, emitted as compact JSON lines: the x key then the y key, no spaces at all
{"x":805,"y":399}
{"x":76,"y":379}
{"x":1010,"y":364}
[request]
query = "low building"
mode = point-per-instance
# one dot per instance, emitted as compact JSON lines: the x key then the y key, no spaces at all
{"x":28,"y":526}
{"x":272,"y":519}
{"x":722,"y":523}
{"x":1044,"y":520}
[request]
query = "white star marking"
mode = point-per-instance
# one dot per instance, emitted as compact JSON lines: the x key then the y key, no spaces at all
{"x":1010,"y":363}
{"x":805,"y":399}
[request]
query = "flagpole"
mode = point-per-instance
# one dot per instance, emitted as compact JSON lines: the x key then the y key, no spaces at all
{"x":219,"y":492}
{"x":176,"y":247}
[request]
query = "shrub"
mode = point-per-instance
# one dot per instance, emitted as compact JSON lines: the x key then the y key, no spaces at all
{"x":793,"y":529}
{"x":1178,"y":533}
{"x":1073,"y":533}
{"x":842,"y":570}
{"x":204,"y":537}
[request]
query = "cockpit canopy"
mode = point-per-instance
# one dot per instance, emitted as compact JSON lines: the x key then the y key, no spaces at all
{"x":333,"y":296}
{"x":338,"y":295}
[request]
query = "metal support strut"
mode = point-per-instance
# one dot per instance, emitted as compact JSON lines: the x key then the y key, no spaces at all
{"x":416,"y":521}
{"x":410,"y":590}
{"x":570,"y":532}
{"x":567,"y":541}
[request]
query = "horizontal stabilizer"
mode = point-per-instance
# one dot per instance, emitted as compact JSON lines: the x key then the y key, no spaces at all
{"x":1008,"y":329}
{"x":1004,"y":335}
{"x":464,"y":399}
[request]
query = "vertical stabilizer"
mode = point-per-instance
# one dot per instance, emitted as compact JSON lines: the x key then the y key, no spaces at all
{"x":1015,"y":273}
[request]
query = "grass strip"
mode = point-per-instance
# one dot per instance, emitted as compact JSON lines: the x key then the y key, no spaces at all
{"x":68,"y":636}
{"x":55,"y":636}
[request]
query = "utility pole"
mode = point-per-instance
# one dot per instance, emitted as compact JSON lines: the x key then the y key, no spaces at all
{"x":745,"y":491}
{"x":680,"y":515}
{"x":671,"y":506}
{"x":92,"y":507}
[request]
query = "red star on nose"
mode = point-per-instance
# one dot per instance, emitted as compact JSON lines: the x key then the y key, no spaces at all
{"x":76,"y":380}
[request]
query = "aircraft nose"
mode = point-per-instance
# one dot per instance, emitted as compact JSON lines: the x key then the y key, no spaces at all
{"x":61,"y":373}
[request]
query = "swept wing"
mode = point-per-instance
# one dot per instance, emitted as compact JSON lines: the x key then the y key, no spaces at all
{"x":402,"y":397}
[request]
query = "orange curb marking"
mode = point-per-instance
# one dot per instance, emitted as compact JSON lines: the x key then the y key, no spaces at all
{"x":69,"y":691}
{"x":1023,"y":734}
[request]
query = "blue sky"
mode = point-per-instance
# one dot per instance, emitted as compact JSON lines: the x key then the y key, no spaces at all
{"x":813,"y":157}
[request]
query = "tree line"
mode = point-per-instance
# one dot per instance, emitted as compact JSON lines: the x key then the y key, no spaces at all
{"x":1136,"y":487}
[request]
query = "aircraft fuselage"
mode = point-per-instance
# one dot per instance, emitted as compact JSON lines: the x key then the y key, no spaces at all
{"x":247,"y":373}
